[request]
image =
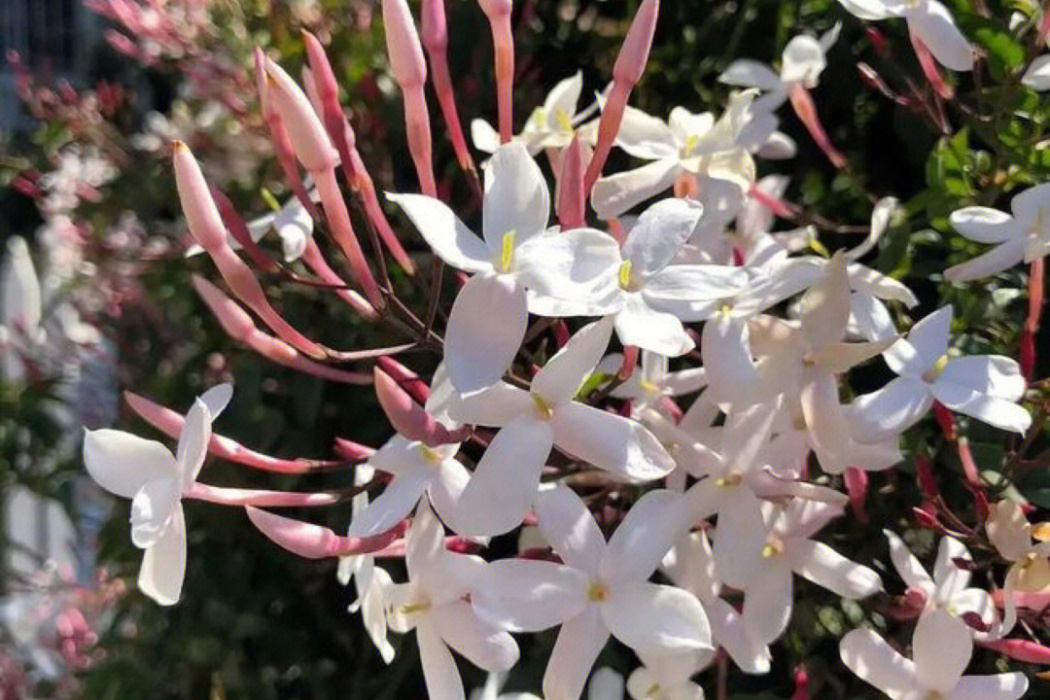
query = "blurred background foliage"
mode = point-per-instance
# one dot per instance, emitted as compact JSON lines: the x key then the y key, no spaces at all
{"x":256,"y":622}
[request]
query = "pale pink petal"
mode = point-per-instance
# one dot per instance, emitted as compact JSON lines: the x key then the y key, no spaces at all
{"x":563,"y":374}
{"x":874,"y":661}
{"x":485,"y":330}
{"x":570,"y":529}
{"x":767,"y":602}
{"x":907,"y":565}
{"x":620,"y":446}
{"x":1001,"y":257}
{"x":396,"y":502}
{"x":941,"y":649}
{"x":748,"y":73}
{"x":496,"y":406}
{"x":164,"y":564}
{"x":617,"y":193}
{"x":933,"y":23}
{"x":506,"y":480}
{"x":985,"y":225}
{"x":642,"y":326}
{"x":193,"y":442}
{"x":439,"y":668}
{"x":740,"y":536}
{"x":1002,"y":686}
{"x":451,"y":240}
{"x":644,"y":536}
{"x":529,"y":596}
{"x":482,"y":643}
{"x":516,"y":197}
{"x":659,"y":233}
{"x":579,"y":642}
{"x":825,"y":567}
{"x":893,"y":408}
{"x":123,"y":463}
{"x":658,"y":619}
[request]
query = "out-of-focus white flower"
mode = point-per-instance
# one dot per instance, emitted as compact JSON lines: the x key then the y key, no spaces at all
{"x":929,"y":20}
{"x":155,"y":481}
{"x":1024,"y":235}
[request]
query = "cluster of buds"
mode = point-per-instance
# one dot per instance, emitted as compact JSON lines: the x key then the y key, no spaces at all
{"x":598,"y":459}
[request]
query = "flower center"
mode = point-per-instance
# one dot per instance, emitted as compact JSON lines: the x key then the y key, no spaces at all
{"x":563,"y":120}
{"x":691,"y":142}
{"x":432,"y":456}
{"x":772,"y":547}
{"x":543,"y":409}
{"x":627,"y":280}
{"x":933,"y":373}
{"x":506,"y":251}
{"x":598,"y":592}
{"x":733,"y":479}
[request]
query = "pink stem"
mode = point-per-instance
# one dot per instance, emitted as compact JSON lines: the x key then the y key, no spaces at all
{"x":315,"y":261}
{"x":503,"y":47}
{"x":930,"y":68}
{"x":170,"y":423}
{"x":224,"y":496}
{"x":628,"y":69}
{"x":343,"y":233}
{"x":778,"y":206}
{"x":353,"y":451}
{"x":1036,"y":281}
{"x":435,"y":41}
{"x":345,"y":141}
{"x":237,"y":227}
{"x":417,"y":128}
{"x":856,"y":480}
{"x":806,"y":111}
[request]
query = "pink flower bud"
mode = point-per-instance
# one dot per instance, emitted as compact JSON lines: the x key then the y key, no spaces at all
{"x":311,"y":142}
{"x":856,"y":480}
{"x":630,"y":63}
{"x":202,"y":216}
{"x":572,"y":201}
{"x":352,"y":451}
{"x":409,"y":418}
{"x":1020,"y":649}
{"x":406,"y":378}
{"x":316,"y":542}
{"x":402,"y":45}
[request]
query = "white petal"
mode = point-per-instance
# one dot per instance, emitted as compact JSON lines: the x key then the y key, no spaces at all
{"x":802,"y":61}
{"x":439,"y":668}
{"x":164,"y":564}
{"x":740,"y":536}
{"x":606,"y":684}
{"x":485,"y":330}
{"x":874,"y":661}
{"x":445,"y":492}
{"x":659,"y":234}
{"x":516,"y":197}
{"x":123,"y":463}
{"x":451,"y":240}
{"x":748,"y":73}
{"x":732,"y":377}
{"x":528,"y":596}
{"x":767,"y":602}
{"x":644,"y":136}
{"x":396,"y":502}
{"x":907,"y":565}
{"x":893,"y":408}
{"x":620,"y":446}
{"x":217,"y":399}
{"x":941,"y":649}
{"x":1001,"y":257}
{"x":482,"y":643}
{"x":20,"y":298}
{"x":579,"y":642}
{"x":617,"y":193}
{"x":985,"y":225}
{"x":695,"y":283}
{"x":1002,"y":686}
{"x":505,"y":481}
{"x":564,"y":96}
{"x":825,"y":567}
{"x":152,"y":509}
{"x":1006,"y":415}
{"x":484,"y":136}
{"x":1029,"y":206}
{"x":561,"y":377}
{"x":729,"y":632}
{"x":658,"y":619}
{"x":993,"y":375}
{"x":946,"y":572}
{"x":932,"y":22}
{"x":496,"y":406}
{"x":193,"y":442}
{"x":1037,"y":76}
{"x":869,"y":9}
{"x":573,"y":265}
{"x":655,"y":331}
{"x":644,"y":536}
{"x":570,"y":529}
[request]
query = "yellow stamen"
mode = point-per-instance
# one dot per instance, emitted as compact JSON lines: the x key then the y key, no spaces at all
{"x":432,"y":456}
{"x":420,"y":606}
{"x":542,"y":407}
{"x":649,"y":387}
{"x":733,"y":479}
{"x":625,"y":274}
{"x":933,"y":373}
{"x":506,"y":253}
{"x":691,"y":142}
{"x":771,"y":549}
{"x":563,"y":120}
{"x":598,"y":593}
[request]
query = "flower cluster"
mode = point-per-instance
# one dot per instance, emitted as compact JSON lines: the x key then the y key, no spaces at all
{"x":665,"y":493}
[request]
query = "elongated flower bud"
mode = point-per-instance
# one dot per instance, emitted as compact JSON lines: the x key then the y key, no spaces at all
{"x":308,"y":136}
{"x":202,"y":216}
{"x":628,"y":69}
{"x":409,"y":418}
{"x":435,"y":41}
{"x":316,"y":542}
{"x":402,"y":45}
{"x":572,"y":202}
{"x":170,"y":423}
{"x":498,"y":13}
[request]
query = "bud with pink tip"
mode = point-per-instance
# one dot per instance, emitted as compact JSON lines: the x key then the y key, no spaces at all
{"x":316,"y":542}
{"x":435,"y":41}
{"x":498,"y":13}
{"x":627,"y":70}
{"x":311,"y":142}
